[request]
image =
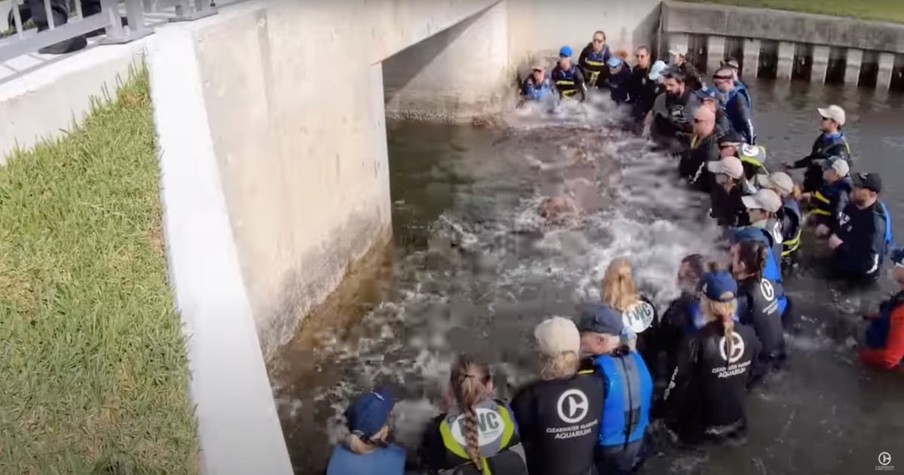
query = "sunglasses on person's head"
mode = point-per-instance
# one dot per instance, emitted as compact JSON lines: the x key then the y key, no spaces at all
{"x":722,"y":78}
{"x":538,"y":70}
{"x":598,"y":40}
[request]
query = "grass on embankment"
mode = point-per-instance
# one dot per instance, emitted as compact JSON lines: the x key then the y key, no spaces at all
{"x":883,"y":10}
{"x":93,"y":367}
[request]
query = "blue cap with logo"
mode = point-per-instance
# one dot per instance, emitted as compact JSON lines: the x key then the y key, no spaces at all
{"x":715,"y":285}
{"x":615,"y":62}
{"x":598,"y":318}
{"x":369,"y":413}
{"x":565,"y":52}
{"x":749,"y":233}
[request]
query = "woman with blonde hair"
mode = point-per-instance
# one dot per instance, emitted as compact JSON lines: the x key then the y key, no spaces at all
{"x":579,"y":394}
{"x":638,"y":313}
{"x":477,"y":435}
{"x":706,"y":398}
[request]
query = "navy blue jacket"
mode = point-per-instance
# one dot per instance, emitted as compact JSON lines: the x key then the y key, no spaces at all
{"x":864,"y":236}
{"x":738,"y":109}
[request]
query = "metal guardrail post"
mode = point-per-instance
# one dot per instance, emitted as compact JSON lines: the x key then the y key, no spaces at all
{"x":188,"y":10}
{"x":116,"y":33}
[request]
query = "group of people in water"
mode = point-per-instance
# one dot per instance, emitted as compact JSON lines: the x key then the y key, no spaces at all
{"x":620,"y":367}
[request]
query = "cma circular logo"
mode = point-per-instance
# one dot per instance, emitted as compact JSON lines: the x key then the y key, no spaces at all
{"x":737,"y":348}
{"x":489,"y":427}
{"x":767,"y":289}
{"x":573,"y":406}
{"x":884,"y":459}
{"x":639,"y":318}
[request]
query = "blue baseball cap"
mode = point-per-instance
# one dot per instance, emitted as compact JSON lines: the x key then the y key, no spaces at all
{"x":565,"y":52}
{"x":615,"y":62}
{"x":657,"y":69}
{"x":897,"y":257}
{"x":598,"y":318}
{"x":749,"y":233}
{"x":716,"y":284}
{"x":707,"y":93}
{"x":369,"y":413}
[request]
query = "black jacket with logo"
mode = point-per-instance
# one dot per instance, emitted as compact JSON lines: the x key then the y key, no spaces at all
{"x":708,"y":386}
{"x":758,"y":306}
{"x":559,"y":423}
{"x":863,"y":233}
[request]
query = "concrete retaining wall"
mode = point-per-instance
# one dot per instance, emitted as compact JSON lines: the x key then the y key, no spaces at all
{"x":778,"y":25}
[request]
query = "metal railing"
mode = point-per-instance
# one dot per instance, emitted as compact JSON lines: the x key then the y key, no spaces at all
{"x":118,"y":21}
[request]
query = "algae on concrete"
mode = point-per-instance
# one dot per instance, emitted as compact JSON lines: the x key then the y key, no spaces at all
{"x":93,"y":361}
{"x":881,"y":10}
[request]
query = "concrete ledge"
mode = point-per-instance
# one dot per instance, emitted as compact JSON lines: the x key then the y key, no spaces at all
{"x":778,"y":25}
{"x":46,"y":103}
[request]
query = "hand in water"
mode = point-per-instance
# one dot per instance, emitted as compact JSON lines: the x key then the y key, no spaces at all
{"x":834,"y":241}
{"x":822,"y":230}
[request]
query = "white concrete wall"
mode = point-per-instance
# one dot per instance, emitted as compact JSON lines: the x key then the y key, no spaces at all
{"x":300,"y":140}
{"x":48,"y":101}
{"x":456,"y":75}
{"x":538,"y":28}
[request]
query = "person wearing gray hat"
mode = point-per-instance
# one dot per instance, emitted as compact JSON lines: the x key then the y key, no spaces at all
{"x":630,"y":389}
{"x":538,"y":86}
{"x":830,"y":143}
{"x":884,"y":340}
{"x":762,"y":208}
{"x":790,"y":215}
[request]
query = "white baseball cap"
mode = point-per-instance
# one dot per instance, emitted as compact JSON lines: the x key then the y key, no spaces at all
{"x":840,"y":165}
{"x":730,"y":166}
{"x":833,"y":112}
{"x":557,"y":335}
{"x":764,"y":199}
{"x":781,"y":182}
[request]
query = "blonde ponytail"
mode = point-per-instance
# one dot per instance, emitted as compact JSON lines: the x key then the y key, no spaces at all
{"x":469,"y":382}
{"x":619,"y":289}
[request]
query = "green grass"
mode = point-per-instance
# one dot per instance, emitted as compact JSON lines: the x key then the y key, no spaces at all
{"x":93,"y":367}
{"x":884,"y":10}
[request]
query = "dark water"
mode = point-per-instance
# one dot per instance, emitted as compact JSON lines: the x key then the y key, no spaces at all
{"x":473,"y":268}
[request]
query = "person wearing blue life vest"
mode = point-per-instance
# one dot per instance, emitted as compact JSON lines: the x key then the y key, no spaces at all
{"x":830,"y":143}
{"x":537,"y":87}
{"x":758,"y":305}
{"x":628,"y":390}
{"x":366,"y":450}
{"x":567,"y":77}
{"x":863,"y":234}
{"x":706,"y":397}
{"x":831,"y":198}
{"x":790,"y":215}
{"x":619,"y":79}
{"x":594,"y":60}
{"x":735,"y":67}
{"x":884,"y":339}
{"x":736,"y":103}
{"x":762,"y":208}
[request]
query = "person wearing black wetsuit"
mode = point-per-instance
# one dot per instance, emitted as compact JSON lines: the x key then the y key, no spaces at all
{"x":559,"y":414}
{"x":619,"y":79}
{"x":706,"y":398}
{"x":830,"y":143}
{"x":672,"y":115}
{"x":862,"y":236}
{"x":832,"y":197}
{"x":593,"y":61}
{"x":727,"y":193}
{"x":758,"y":305}
{"x":703,"y":150}
{"x":567,"y":76}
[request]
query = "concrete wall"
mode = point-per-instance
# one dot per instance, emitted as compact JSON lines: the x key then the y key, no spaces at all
{"x":458,"y":74}
{"x":538,"y":28}
{"x":298,"y":128}
{"x":47,"y":102}
{"x":778,"y":25}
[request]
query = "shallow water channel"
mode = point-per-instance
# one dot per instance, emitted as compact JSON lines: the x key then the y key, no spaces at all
{"x":473,"y":268}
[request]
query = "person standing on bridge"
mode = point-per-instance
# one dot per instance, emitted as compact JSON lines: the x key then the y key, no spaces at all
{"x":559,"y":415}
{"x":706,"y":398}
{"x":568,"y":77}
{"x":478,"y":435}
{"x":629,"y":390}
{"x":830,"y":143}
